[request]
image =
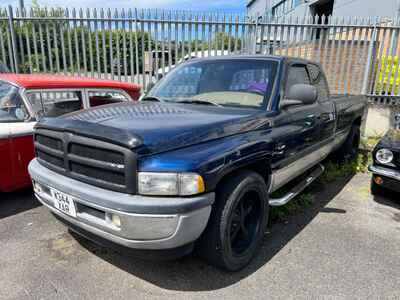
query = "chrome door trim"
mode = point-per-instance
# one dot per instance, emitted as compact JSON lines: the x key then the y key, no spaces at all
{"x":22,"y":129}
{"x":284,"y":175}
{"x":4,"y":130}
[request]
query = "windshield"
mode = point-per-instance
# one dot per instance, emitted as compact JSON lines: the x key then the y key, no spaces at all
{"x":236,"y":82}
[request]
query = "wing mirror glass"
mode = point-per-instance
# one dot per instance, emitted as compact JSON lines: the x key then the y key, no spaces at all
{"x":300,"y":94}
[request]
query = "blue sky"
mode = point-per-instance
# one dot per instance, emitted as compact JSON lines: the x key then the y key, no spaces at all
{"x":235,"y":6}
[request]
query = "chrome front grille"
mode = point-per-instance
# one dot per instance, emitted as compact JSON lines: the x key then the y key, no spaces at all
{"x":92,"y":161}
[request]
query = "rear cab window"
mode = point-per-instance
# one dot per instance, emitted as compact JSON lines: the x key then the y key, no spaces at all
{"x":318,"y":80}
{"x":12,"y":107}
{"x":297,"y":74}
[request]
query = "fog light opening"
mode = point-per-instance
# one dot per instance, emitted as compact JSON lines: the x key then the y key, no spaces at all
{"x":378,"y":180}
{"x":114,"y":220}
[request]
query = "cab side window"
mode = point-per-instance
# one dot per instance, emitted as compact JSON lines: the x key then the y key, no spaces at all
{"x":298,"y":74}
{"x":319,"y":81}
{"x":12,"y":108}
{"x":54,"y":103}
{"x":102,"y":97}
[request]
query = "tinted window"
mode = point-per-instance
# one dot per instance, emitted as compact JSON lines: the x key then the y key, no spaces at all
{"x":238,"y":83}
{"x":55,"y":103}
{"x":297,"y":75}
{"x":99,"y":97}
{"x":319,"y":81}
{"x":12,"y":108}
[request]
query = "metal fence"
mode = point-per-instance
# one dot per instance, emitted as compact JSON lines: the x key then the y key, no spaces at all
{"x":359,"y":55}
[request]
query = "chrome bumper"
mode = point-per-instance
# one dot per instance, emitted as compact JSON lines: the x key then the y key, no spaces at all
{"x":382,"y":171}
{"x":146,"y":222}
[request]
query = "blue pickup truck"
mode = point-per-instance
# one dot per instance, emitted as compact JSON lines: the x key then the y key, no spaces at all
{"x":193,"y":165}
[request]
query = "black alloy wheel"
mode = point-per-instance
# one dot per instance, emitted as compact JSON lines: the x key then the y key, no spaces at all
{"x":237,"y":223}
{"x":245,"y":221}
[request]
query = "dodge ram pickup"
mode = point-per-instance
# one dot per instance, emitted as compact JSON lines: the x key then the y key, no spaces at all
{"x":194,"y":164}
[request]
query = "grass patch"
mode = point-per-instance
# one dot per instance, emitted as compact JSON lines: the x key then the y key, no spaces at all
{"x":333,"y":171}
{"x":298,"y":204}
{"x":369,"y":143}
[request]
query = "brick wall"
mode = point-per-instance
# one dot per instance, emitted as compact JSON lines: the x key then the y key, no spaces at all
{"x":344,"y":62}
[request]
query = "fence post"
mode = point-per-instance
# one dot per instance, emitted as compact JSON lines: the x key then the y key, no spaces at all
{"x":370,"y":61}
{"x":14,"y":62}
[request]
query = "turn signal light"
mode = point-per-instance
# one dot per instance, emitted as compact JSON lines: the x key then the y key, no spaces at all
{"x":378,"y":180}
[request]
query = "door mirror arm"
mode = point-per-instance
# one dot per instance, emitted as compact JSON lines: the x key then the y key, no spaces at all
{"x":285,"y":103}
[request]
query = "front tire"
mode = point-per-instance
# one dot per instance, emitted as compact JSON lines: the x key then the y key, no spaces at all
{"x":236,"y":227}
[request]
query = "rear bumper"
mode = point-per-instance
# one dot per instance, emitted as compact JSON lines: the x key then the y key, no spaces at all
{"x":146,"y":222}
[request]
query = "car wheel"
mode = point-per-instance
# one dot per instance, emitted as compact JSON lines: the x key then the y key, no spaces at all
{"x":237,"y":222}
{"x":349,"y":150}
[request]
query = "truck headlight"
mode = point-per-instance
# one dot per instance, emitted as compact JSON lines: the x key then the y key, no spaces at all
{"x":384,"y":156}
{"x":170,"y":184}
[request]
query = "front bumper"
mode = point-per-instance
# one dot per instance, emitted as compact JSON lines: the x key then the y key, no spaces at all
{"x":390,"y":179}
{"x":146,"y":222}
{"x":382,"y":171}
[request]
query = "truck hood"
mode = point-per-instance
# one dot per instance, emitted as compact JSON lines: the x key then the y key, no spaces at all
{"x":158,"y":127}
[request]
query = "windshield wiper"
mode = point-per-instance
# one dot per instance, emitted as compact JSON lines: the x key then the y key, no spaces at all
{"x":197,"y":101}
{"x":152,"y":98}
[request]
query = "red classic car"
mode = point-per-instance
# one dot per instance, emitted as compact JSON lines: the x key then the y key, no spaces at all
{"x":26,"y":98}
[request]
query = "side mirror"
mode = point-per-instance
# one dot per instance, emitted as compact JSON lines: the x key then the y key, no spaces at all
{"x":300,"y":94}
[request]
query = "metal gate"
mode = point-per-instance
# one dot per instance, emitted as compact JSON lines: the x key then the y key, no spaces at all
{"x":359,"y":55}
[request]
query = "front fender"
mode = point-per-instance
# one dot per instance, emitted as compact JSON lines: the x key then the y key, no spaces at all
{"x":214,"y":159}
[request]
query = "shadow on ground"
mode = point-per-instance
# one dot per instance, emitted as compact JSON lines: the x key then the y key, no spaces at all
{"x":388,"y":198}
{"x":192,"y":274}
{"x":16,"y":202}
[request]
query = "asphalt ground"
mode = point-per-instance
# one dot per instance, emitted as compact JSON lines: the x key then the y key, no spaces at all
{"x":346,"y":246}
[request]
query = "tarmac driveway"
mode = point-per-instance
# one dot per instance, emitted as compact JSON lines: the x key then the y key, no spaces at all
{"x":346,"y":246}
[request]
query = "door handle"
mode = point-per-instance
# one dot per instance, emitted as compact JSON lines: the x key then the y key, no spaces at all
{"x":328,"y":117}
{"x":279,"y":149}
{"x":310,"y":121}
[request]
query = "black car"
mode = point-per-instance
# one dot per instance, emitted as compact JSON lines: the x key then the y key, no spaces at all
{"x":386,"y":166}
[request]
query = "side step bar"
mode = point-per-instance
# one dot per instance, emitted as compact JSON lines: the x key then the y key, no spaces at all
{"x":298,"y":188}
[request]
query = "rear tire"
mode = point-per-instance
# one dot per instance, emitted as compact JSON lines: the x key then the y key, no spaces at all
{"x":236,"y":227}
{"x":349,"y":150}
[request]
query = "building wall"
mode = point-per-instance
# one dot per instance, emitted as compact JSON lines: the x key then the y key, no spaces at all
{"x":353,"y":8}
{"x":366,"y":8}
{"x":343,"y":62}
{"x":257,"y":7}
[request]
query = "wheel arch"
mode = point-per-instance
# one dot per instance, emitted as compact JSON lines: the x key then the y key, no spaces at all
{"x":357,"y":121}
{"x":261,"y":167}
